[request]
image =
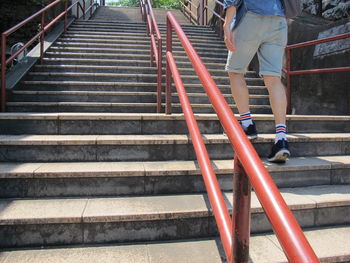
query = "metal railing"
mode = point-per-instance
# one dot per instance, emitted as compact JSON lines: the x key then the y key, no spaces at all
{"x":289,"y":72}
{"x":156,"y":45}
{"x":40,"y":35}
{"x":191,"y":11}
{"x":248,"y":168}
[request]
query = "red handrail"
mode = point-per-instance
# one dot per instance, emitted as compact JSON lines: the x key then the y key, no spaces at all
{"x":156,"y":48}
{"x":288,"y":232}
{"x":40,"y":35}
{"x":289,"y":72}
{"x":216,"y":199}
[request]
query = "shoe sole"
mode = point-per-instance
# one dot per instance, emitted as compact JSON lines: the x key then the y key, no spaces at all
{"x":252,"y":137}
{"x":280,"y":157}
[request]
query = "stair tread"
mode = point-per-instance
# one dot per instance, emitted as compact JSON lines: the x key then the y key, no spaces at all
{"x":263,"y":248}
{"x":157,"y":139}
{"x":157,"y":168}
{"x":160,"y":207}
{"x":156,"y":116}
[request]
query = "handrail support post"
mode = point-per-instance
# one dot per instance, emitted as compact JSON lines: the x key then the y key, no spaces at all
{"x":65,"y":15}
{"x":3,"y":72}
{"x":240,"y":214}
{"x":42,"y":37}
{"x":159,"y":77}
{"x":289,"y":81}
{"x":168,"y":82}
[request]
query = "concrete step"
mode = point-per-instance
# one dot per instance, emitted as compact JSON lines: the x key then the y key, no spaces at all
{"x":79,"y":148}
{"x":217,"y":67}
{"x":30,"y":180}
{"x":77,"y":106}
{"x":98,"y":55}
{"x":95,"y":69}
{"x":126,"y":69}
{"x":110,"y":96}
{"x":138,"y":28}
{"x":144,"y":41}
{"x":113,"y":107}
{"x":207,"y":108}
{"x":180,"y":52}
{"x":127,"y":56}
{"x":121,"y":86}
{"x":263,"y":248}
{"x":84,"y":96}
{"x":152,"y":123}
{"x":68,"y":221}
{"x":129,"y":77}
{"x":134,"y":24}
{"x":93,"y":23}
{"x":143,"y":46}
{"x":132,"y":36}
{"x":103,"y":30}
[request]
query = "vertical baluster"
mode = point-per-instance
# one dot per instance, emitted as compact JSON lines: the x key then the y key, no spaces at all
{"x":42,"y":37}
{"x":168,"y":72}
{"x":3,"y":72}
{"x":240,"y":213}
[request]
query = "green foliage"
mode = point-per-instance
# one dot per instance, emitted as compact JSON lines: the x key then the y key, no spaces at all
{"x":167,"y":4}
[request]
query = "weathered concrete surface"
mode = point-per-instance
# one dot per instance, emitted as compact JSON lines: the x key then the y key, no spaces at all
{"x":320,"y":93}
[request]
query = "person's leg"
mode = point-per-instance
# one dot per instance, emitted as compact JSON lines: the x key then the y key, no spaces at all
{"x":278,"y":99}
{"x":270,"y":56}
{"x":247,"y":43}
{"x":239,"y":91}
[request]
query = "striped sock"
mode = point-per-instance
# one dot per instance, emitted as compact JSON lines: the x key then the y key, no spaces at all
{"x":246,"y":119}
{"x":281,"y":132}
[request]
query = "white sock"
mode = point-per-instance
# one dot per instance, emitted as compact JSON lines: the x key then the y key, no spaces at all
{"x":281,"y":132}
{"x":246,"y":119}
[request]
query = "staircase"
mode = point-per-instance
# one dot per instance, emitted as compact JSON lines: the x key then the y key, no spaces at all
{"x":89,"y":172}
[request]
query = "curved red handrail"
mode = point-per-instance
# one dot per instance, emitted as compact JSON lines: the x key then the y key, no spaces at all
{"x":288,"y":232}
{"x":216,"y":199}
{"x":156,"y":45}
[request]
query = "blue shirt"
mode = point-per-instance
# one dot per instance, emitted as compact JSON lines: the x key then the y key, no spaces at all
{"x":260,"y":7}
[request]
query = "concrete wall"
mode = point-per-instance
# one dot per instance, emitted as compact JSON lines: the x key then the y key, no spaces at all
{"x":327,"y":93}
{"x":321,"y":94}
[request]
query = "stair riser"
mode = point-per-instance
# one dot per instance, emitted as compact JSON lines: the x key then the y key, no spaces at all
{"x":141,"y":63}
{"x":132,"y":70}
{"x":116,"y":98}
{"x":131,"y":78}
{"x":92,"y":24}
{"x":116,"y":109}
{"x":151,"y":230}
{"x":111,"y":127}
{"x":76,"y":87}
{"x":132,"y":38}
{"x":138,"y":29}
{"x":117,"y":69}
{"x":100,"y":185}
{"x":143,"y":51}
{"x":262,"y":110}
{"x":141,"y":33}
{"x":176,"y":43}
{"x":105,"y":109}
{"x":125,"y":57}
{"x":164,"y":152}
{"x":205,"y":100}
{"x":86,"y":98}
{"x":120,"y":87}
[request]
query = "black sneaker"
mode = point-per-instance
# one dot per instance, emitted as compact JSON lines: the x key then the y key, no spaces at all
{"x":280,"y":152}
{"x":251,"y":132}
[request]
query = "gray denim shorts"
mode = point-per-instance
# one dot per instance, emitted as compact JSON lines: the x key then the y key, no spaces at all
{"x":264,"y":35}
